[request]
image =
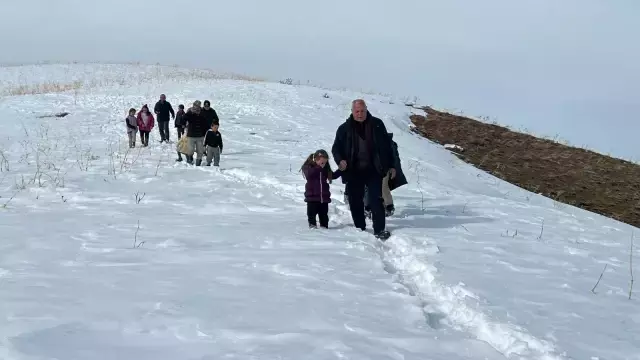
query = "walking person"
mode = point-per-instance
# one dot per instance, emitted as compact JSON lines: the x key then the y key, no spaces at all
{"x":317,"y":195}
{"x":132,"y":127}
{"x":179,"y":122}
{"x":180,"y":126}
{"x":213,"y":145}
{"x":210,"y":114}
{"x":363,"y":152}
{"x":162,"y":110}
{"x":388,"y":184}
{"x":196,"y":125}
{"x":145,"y":122}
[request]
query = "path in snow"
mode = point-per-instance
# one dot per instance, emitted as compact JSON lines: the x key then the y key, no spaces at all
{"x":228,"y":265}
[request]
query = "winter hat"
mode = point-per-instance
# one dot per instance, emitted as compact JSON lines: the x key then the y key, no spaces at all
{"x":196,"y":104}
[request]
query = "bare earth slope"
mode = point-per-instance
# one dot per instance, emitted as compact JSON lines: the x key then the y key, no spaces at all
{"x":575,"y":176}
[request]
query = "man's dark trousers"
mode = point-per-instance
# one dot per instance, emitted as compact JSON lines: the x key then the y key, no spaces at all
{"x":355,"y":187}
{"x":163,"y":127}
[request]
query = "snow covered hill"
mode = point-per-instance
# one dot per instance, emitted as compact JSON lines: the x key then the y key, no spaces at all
{"x":107,"y":253}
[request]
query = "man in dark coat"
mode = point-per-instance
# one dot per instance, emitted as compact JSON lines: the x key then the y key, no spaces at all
{"x":388,"y":184}
{"x":363,"y":152}
{"x":196,"y":125}
{"x":162,"y":110}
{"x":210,"y":114}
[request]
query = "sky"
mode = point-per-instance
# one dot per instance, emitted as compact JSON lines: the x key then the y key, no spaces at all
{"x":566,"y":68}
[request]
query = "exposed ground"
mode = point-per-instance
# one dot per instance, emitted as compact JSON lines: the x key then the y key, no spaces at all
{"x":575,"y":176}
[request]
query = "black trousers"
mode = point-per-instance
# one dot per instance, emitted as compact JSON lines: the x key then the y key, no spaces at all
{"x":320,"y":210}
{"x":355,"y":188}
{"x":144,"y":137}
{"x":180,"y":132}
{"x":163,"y":128}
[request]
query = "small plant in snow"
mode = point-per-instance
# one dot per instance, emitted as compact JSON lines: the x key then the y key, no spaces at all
{"x":157,"y":167}
{"x":631,"y":267}
{"x":139,"y":197}
{"x":593,"y":290}
{"x":4,"y":206}
{"x":4,"y":163}
{"x":541,"y":230}
{"x":418,"y":170}
{"x":135,"y":238}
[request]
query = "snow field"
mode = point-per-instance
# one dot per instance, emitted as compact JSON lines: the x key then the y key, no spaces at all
{"x":222,"y":264}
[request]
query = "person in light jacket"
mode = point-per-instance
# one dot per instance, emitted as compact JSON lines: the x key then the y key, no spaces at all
{"x":132,"y":127}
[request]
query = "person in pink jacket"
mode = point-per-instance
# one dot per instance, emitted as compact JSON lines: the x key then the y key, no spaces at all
{"x":145,"y":124}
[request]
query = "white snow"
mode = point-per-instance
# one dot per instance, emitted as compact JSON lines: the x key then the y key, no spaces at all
{"x":224,"y":266}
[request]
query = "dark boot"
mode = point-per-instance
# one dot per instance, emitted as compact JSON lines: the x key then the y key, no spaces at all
{"x":190,"y":159}
{"x":198,"y":162}
{"x":179,"y":157}
{"x":383,"y":235}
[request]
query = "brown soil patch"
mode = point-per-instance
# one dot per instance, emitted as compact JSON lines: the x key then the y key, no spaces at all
{"x":575,"y":176}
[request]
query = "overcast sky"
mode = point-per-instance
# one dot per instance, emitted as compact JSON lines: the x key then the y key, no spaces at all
{"x":567,"y":67}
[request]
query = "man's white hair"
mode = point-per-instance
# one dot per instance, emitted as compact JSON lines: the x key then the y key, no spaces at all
{"x":358,"y":101}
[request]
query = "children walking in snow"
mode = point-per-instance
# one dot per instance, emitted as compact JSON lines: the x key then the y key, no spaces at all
{"x":318,"y":173}
{"x":132,"y":127}
{"x":213,"y":145}
{"x":145,"y":124}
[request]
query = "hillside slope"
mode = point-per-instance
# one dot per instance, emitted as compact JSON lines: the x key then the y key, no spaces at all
{"x":570,"y":175}
{"x":219,"y":263}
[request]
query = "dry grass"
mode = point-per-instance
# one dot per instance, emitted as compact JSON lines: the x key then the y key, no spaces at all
{"x":575,"y":176}
{"x":136,"y":73}
{"x":44,"y":88}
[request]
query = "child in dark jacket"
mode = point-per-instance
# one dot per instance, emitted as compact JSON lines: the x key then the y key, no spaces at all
{"x":318,"y":173}
{"x":179,"y":123}
{"x":213,"y":145}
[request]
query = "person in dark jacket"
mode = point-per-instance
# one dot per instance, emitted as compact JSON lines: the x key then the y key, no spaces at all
{"x":210,"y":114}
{"x":213,"y":145}
{"x":363,"y":152}
{"x":179,"y":123}
{"x":162,"y":110}
{"x":196,"y":130}
{"x":318,"y":173}
{"x":388,"y":184}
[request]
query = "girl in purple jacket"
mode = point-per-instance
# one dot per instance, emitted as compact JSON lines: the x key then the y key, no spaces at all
{"x":317,"y":171}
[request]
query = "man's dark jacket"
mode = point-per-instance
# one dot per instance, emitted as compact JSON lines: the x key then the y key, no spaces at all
{"x":344,"y":146}
{"x":163,"y":110}
{"x":196,"y":124}
{"x":211,"y":116}
{"x":400,"y":179}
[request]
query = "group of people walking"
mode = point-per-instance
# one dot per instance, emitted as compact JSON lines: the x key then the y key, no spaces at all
{"x":367,"y":158}
{"x":197,"y":129}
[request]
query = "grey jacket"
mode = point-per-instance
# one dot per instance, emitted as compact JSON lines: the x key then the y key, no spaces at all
{"x":132,"y":123}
